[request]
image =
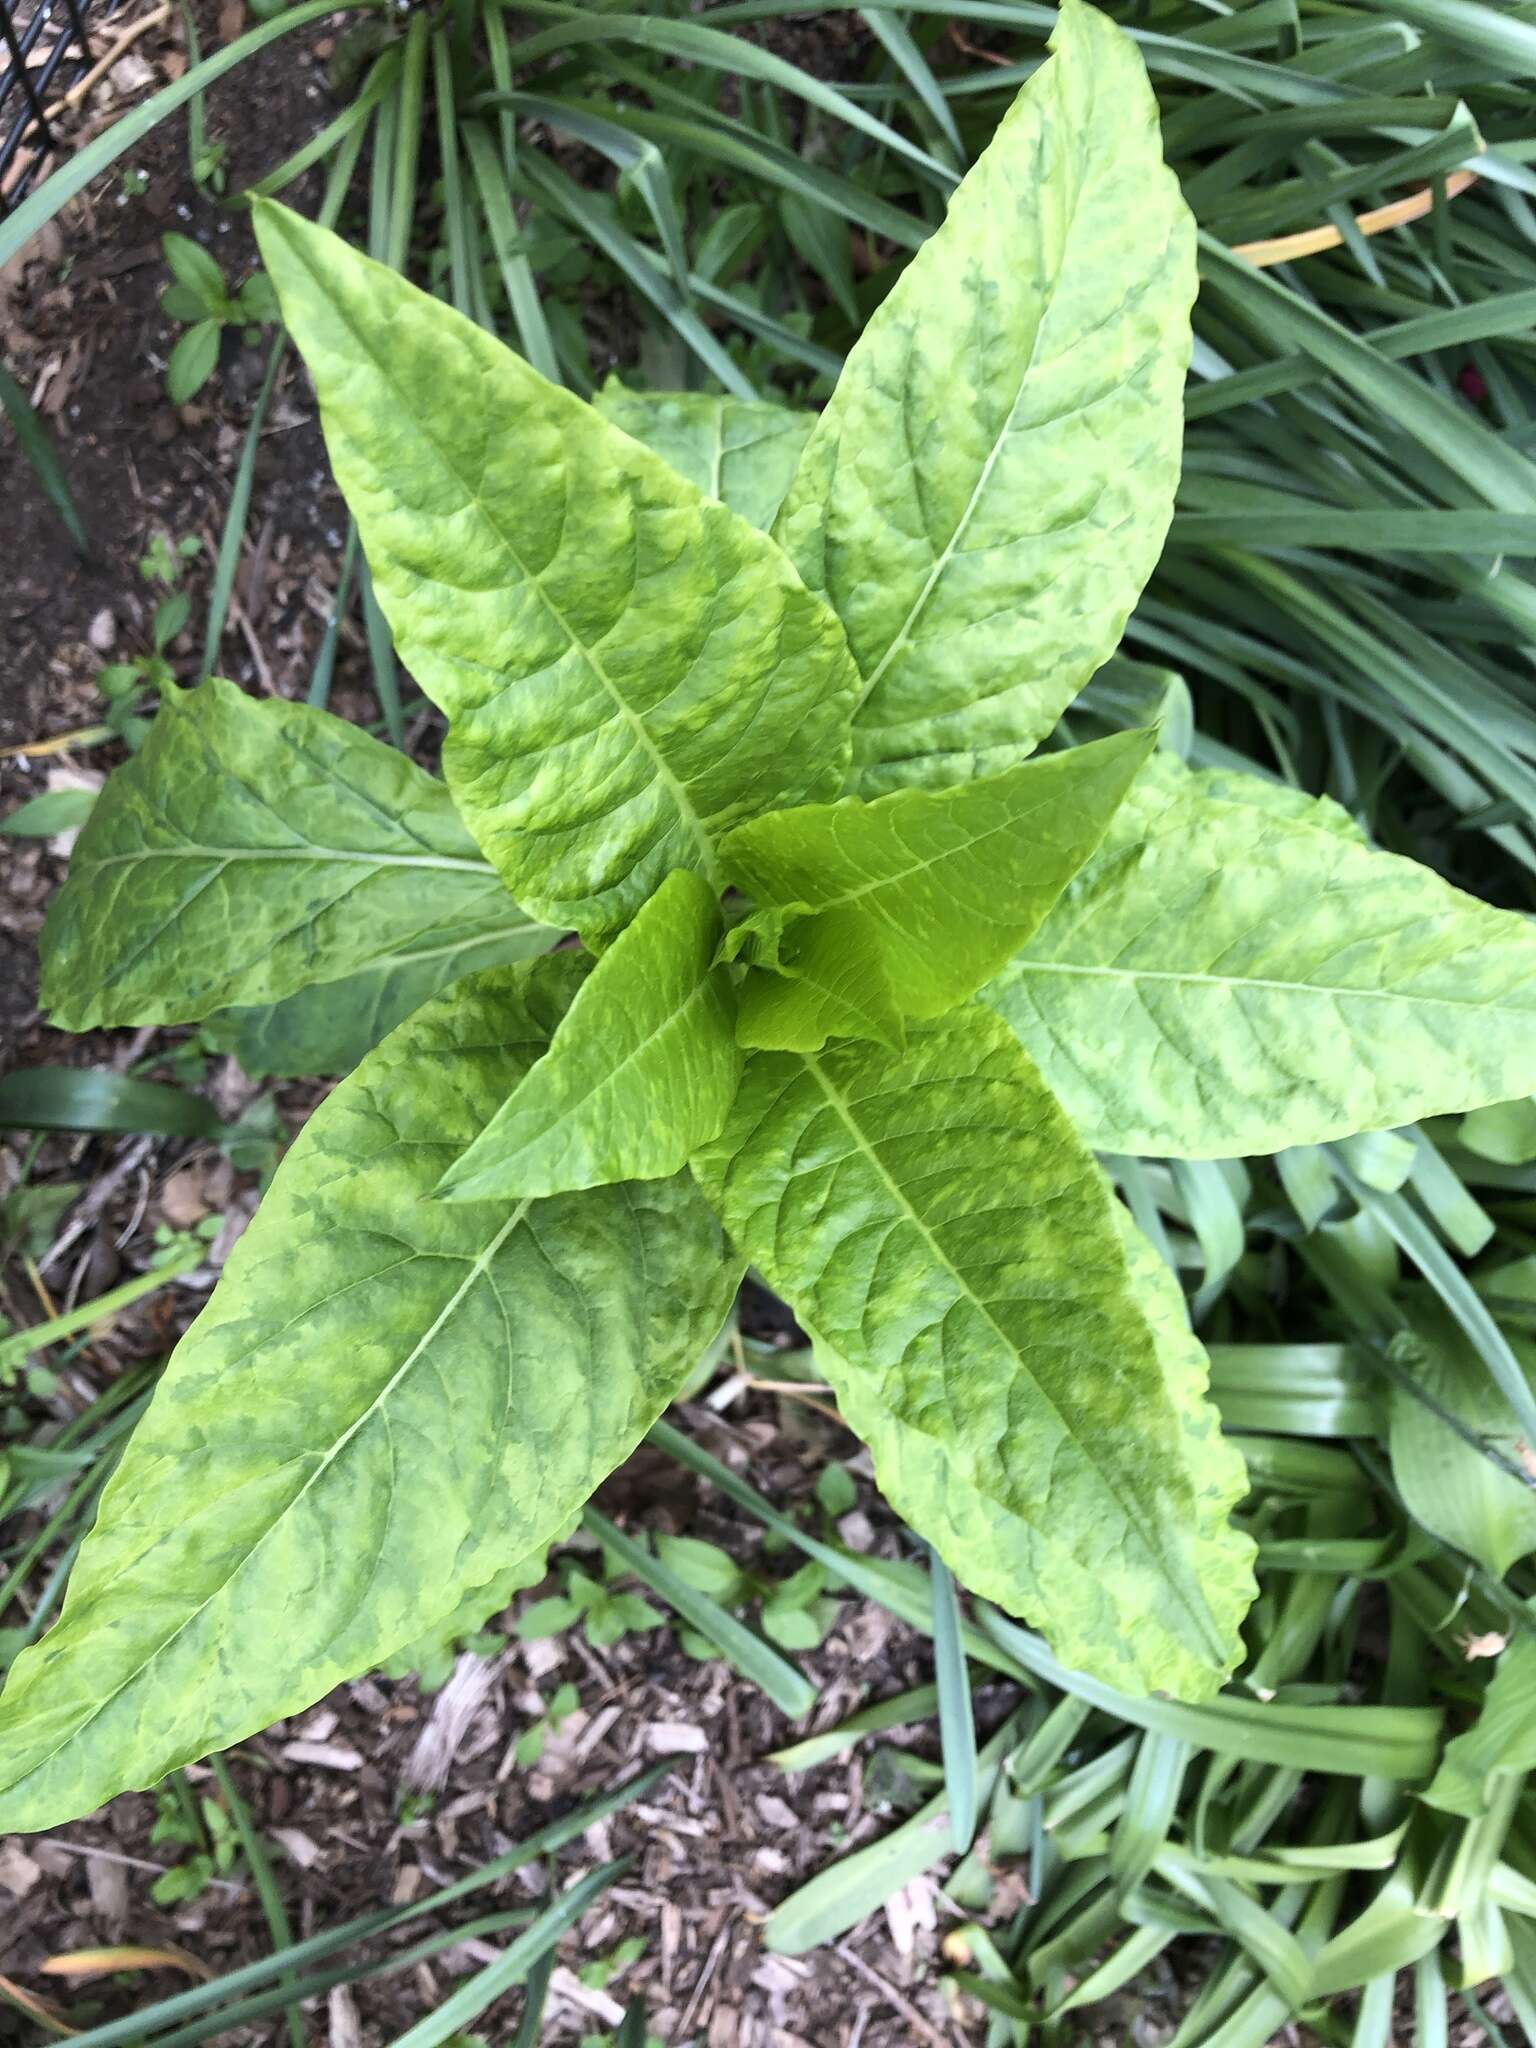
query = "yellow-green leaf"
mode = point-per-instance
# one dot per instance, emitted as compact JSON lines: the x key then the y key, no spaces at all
{"x":1231,"y":973}
{"x":991,"y":481}
{"x":931,"y":892}
{"x":641,"y":1071}
{"x":254,"y":848}
{"x":386,"y":1402}
{"x":738,"y":450}
{"x":1033,"y":1400}
{"x":627,"y":667}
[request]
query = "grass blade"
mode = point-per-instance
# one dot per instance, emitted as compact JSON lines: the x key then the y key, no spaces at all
{"x":36,"y":444}
{"x":96,"y":1099}
{"x":790,"y":1690}
{"x":236,"y":513}
{"x":487,"y":1984}
{"x":957,"y":1725}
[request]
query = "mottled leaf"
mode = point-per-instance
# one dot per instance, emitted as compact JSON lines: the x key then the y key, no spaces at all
{"x":1033,"y":1403}
{"x":386,"y":1400}
{"x":252,"y":848}
{"x":641,"y":1071}
{"x":738,"y":450}
{"x":628,"y":668}
{"x":939,"y":887}
{"x":1228,"y":977}
{"x":991,"y":481}
{"x":430,"y":1656}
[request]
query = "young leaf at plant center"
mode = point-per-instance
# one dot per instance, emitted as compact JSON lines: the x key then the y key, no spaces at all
{"x":810,"y":979}
{"x":940,"y":887}
{"x":1448,"y":1483}
{"x":738,"y":450}
{"x":249,"y":849}
{"x":1223,"y":978}
{"x":1502,"y":1738}
{"x":989,"y":485}
{"x":640,"y":1073}
{"x":372,"y":1416}
{"x":327,"y":1028}
{"x":937,"y":1225}
{"x":628,"y":669}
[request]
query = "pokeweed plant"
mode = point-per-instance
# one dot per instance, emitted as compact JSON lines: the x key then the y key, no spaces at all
{"x":862,"y":976}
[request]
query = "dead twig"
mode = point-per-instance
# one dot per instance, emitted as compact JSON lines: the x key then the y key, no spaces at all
{"x":124,"y":41}
{"x":892,"y":1996}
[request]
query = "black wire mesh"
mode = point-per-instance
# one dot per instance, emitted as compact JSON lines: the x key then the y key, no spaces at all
{"x":46,"y":46}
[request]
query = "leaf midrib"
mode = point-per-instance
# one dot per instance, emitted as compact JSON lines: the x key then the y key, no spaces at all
{"x":227,"y":855}
{"x":1204,"y":1622}
{"x":1182,"y":976}
{"x":900,"y":639}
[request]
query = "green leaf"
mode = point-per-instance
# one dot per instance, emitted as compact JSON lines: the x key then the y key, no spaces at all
{"x":192,"y":361}
{"x":640,"y":1073}
{"x":181,"y":302}
{"x":1505,"y":1132}
{"x":56,"y":810}
{"x":252,"y":848}
{"x":546,"y":1617}
{"x":257,"y":301}
{"x":809,"y":979}
{"x":326,"y":1029}
{"x":97,"y":1099}
{"x":1500,"y":1740}
{"x":1227,"y":977}
{"x":195,"y":270}
{"x":628,"y":669}
{"x":939,"y":887}
{"x":990,"y":483}
{"x":1016,"y":1361}
{"x":738,"y":450}
{"x":1446,"y":1482}
{"x":385,"y":1400}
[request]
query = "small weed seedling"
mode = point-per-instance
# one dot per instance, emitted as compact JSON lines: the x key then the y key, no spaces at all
{"x":201,"y":297}
{"x":129,"y":686}
{"x":203,"y":1827}
{"x":562,"y":1703}
{"x":606,"y":1612}
{"x":796,"y":1612}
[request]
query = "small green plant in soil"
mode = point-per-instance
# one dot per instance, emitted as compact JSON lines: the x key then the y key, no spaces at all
{"x":796,"y":1611}
{"x":130,"y":686}
{"x":200,"y":297}
{"x":562,"y":1703}
{"x":200,"y":1826}
{"x":606,"y":1612}
{"x":864,"y":976}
